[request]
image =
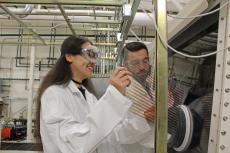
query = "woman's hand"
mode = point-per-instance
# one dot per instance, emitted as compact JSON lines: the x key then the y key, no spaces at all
{"x":120,"y":79}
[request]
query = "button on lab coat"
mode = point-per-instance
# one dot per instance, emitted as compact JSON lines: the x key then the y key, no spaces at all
{"x":71,"y":124}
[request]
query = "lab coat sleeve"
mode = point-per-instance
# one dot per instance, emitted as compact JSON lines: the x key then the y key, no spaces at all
{"x":85,"y":137}
{"x":134,"y":129}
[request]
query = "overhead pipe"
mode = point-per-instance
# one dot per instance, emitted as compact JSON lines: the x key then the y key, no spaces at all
{"x":59,"y":26}
{"x":51,"y":43}
{"x":98,"y":13}
{"x":28,"y":9}
{"x":66,"y":19}
{"x":140,"y":18}
{"x":22,"y":23}
{"x":75,"y":19}
{"x":68,"y":2}
{"x":23,"y":12}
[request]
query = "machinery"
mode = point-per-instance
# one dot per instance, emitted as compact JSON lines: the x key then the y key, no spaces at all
{"x":14,"y":130}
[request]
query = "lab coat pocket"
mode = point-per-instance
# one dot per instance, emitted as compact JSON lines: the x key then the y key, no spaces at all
{"x":75,"y":135}
{"x":73,"y":130}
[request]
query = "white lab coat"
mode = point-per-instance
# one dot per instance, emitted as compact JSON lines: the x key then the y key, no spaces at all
{"x":142,"y":100}
{"x":71,"y":124}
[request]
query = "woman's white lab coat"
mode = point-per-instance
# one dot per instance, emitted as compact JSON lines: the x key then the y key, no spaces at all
{"x":71,"y":124}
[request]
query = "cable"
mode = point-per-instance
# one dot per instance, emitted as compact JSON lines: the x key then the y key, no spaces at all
{"x":135,"y":35}
{"x":176,"y":51}
{"x":200,"y":15}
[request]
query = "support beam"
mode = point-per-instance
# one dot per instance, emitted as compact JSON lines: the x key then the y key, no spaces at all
{"x":66,"y":19}
{"x":126,"y":26}
{"x":220,"y":124}
{"x":161,"y":122}
{"x":22,"y":23}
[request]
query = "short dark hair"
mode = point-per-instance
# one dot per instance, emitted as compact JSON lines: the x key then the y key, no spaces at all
{"x":133,"y":47}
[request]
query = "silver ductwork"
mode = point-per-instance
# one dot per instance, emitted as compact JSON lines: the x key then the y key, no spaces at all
{"x":23,"y":12}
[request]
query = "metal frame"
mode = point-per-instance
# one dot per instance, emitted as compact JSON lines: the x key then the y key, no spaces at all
{"x":220,"y":124}
{"x":21,"y":22}
{"x":161,"y":122}
{"x":126,"y":26}
{"x":66,"y":19}
{"x":113,"y":4}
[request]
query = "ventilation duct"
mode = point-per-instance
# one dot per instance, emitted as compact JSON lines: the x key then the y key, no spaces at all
{"x":25,"y":11}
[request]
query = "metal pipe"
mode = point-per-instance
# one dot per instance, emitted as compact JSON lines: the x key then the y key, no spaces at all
{"x":50,"y":43}
{"x":139,"y":19}
{"x":30,"y":95}
{"x":98,"y":13}
{"x":76,"y":29}
{"x":126,"y":26}
{"x":68,"y":2}
{"x":66,"y":19}
{"x":18,"y":79}
{"x":28,"y":9}
{"x":60,"y":19}
{"x":54,"y":40}
{"x":50,"y":47}
{"x":18,"y":45}
{"x":22,"y":12}
{"x":21,"y":22}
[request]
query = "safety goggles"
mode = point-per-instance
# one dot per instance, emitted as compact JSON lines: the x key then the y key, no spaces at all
{"x":91,"y":53}
{"x":136,"y":62}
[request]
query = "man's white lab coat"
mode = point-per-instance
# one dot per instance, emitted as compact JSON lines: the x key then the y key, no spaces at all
{"x":71,"y":124}
{"x":142,"y":100}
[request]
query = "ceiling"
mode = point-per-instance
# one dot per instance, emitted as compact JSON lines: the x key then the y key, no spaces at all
{"x":101,"y":20}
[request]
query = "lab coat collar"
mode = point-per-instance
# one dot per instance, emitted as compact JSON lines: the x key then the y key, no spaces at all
{"x":73,"y":87}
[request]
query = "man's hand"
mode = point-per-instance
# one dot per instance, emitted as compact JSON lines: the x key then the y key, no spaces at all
{"x":150,"y":113}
